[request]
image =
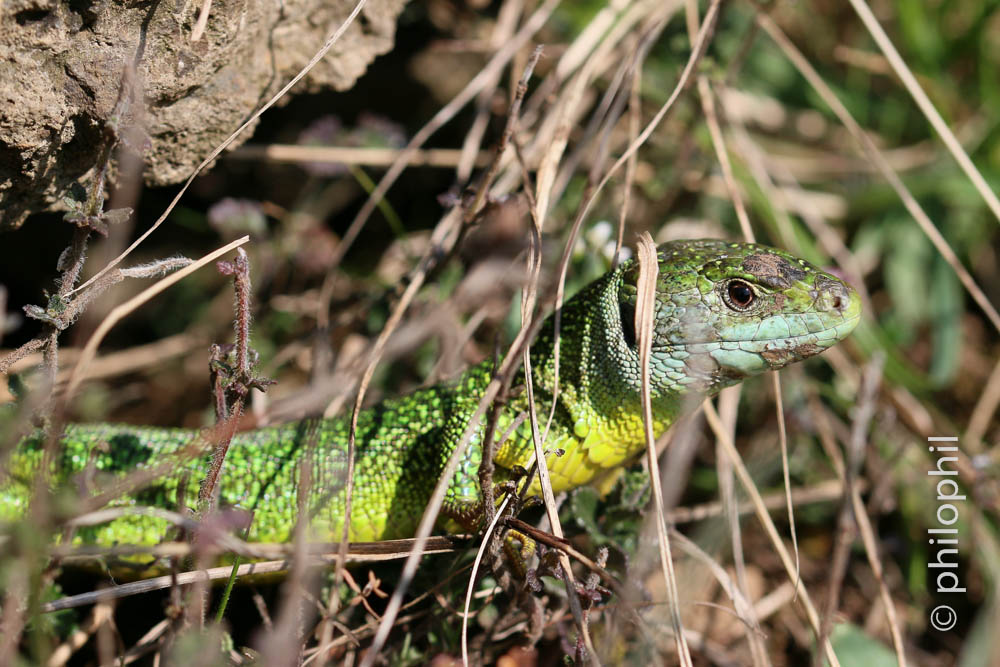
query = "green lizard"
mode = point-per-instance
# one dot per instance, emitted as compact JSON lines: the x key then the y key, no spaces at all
{"x":724,"y":311}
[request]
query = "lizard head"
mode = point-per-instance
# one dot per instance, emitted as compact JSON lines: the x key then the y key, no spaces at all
{"x":725,"y":311}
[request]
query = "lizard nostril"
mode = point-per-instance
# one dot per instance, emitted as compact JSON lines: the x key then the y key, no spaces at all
{"x":837,"y":303}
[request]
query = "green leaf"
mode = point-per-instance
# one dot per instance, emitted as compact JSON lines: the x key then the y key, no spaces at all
{"x":584,"y":506}
{"x":947,"y":304}
{"x":854,"y":647}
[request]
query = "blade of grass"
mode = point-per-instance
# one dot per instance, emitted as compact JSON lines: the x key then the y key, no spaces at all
{"x":924,"y":102}
{"x":719,"y":144}
{"x":765,"y":519}
{"x":644,"y":318}
{"x":480,"y":552}
{"x":875,"y":155}
{"x":121,"y":311}
{"x":446,"y":113}
{"x":229,"y":140}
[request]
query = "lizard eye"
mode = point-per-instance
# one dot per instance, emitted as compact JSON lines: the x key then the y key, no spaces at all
{"x":739,"y":296}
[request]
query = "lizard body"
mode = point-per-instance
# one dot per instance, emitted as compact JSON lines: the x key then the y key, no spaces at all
{"x":724,"y":311}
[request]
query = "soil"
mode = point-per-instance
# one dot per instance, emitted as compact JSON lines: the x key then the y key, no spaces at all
{"x":66,"y":69}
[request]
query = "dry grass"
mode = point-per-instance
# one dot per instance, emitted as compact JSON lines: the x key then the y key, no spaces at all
{"x":727,"y":591}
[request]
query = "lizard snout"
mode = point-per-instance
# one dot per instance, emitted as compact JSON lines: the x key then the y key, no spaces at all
{"x":833,"y":296}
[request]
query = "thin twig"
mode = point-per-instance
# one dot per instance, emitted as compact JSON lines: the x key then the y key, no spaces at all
{"x":232,"y":385}
{"x":283,"y":644}
{"x":467,"y":94}
{"x":730,"y":397}
{"x":875,"y":155}
{"x":786,"y":475}
{"x":417,"y":281}
{"x":821,"y":492}
{"x":529,"y":293}
{"x":447,"y":158}
{"x":729,"y":402}
{"x":439,"y":545}
{"x":697,"y":51}
{"x":868,"y":537}
{"x":20,"y":353}
{"x":429,"y":516}
{"x":634,"y":119}
{"x":504,"y":28}
{"x":487,"y":538}
{"x":846,"y":523}
{"x":986,"y":406}
{"x":334,"y":37}
{"x":762,"y":515}
{"x":122,"y":310}
{"x":924,"y":102}
{"x":719,"y":144}
{"x":199,"y":26}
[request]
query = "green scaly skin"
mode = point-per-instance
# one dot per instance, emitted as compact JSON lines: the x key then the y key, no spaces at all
{"x":704,"y":340}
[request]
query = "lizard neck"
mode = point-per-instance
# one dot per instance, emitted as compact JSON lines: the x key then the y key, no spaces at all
{"x":598,"y":414}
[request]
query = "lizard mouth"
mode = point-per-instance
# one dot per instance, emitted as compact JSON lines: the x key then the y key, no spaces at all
{"x":823,"y":338}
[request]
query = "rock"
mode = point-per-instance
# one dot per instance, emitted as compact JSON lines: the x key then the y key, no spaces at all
{"x":63,"y":64}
